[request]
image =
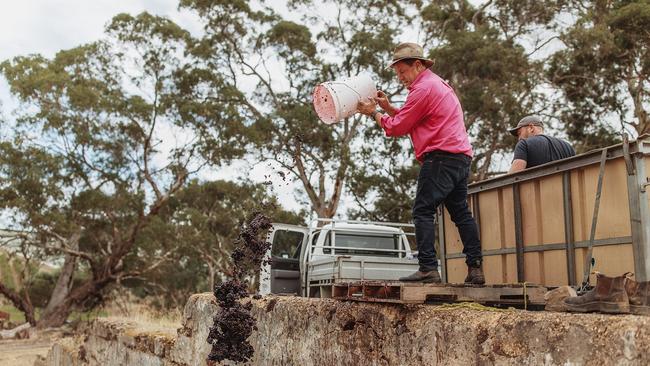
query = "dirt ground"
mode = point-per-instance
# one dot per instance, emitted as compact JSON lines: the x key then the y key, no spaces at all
{"x":23,"y":352}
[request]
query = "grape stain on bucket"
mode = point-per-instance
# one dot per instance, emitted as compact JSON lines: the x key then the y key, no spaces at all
{"x":324,"y":104}
{"x":337,"y":100}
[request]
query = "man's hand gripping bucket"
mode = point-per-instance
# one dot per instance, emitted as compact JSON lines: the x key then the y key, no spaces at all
{"x":337,"y":100}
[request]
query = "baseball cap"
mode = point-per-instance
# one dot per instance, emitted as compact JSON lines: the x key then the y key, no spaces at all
{"x":526,"y":121}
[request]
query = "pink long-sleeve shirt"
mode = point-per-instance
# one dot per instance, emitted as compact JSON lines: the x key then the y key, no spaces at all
{"x":432,"y":116}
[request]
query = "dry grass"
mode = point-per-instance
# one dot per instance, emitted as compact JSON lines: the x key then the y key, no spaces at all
{"x":126,"y":307}
{"x":16,"y":316}
{"x":123,"y":306}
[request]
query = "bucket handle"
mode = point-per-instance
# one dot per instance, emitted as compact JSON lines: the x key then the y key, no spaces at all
{"x":346,"y":85}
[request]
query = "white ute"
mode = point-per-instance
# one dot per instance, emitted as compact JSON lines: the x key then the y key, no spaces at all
{"x":306,"y":261}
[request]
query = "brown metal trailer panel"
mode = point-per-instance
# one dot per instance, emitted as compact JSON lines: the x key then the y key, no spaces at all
{"x":535,"y":225}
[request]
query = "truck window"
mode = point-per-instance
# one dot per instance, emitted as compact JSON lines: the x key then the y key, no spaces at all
{"x":286,"y":244}
{"x":314,"y":239}
{"x":362,"y":244}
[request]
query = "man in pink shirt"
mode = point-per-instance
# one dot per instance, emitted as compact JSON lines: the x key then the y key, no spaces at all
{"x":433,"y":118}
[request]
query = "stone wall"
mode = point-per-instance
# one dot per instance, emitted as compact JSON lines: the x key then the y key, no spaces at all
{"x":297,"y":331}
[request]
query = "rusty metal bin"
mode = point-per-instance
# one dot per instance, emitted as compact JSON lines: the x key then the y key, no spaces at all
{"x":535,"y":225}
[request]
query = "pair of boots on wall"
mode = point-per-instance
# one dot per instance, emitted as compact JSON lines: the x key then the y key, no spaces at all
{"x":617,"y":295}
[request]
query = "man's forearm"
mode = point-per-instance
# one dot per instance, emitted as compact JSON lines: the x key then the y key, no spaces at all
{"x":517,"y":166}
{"x":377,"y":117}
{"x":391,"y":110}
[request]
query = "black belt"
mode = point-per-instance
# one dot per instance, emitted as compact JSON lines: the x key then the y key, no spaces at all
{"x":445,"y":154}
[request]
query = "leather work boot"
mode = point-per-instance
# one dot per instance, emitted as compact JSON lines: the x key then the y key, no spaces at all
{"x":554,"y":299}
{"x":638,"y":294}
{"x":475,"y":275}
{"x":609,"y":296}
{"x":427,"y":277}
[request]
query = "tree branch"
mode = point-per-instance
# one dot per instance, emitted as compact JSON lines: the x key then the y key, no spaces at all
{"x":479,"y":12}
{"x":147,"y":142}
{"x":134,"y":274}
{"x":539,"y":47}
{"x":19,"y":302}
{"x":303,"y":176}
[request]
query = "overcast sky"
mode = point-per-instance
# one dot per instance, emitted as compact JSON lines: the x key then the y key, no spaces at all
{"x":46,"y":26}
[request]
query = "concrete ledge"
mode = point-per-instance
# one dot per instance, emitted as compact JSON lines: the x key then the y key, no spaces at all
{"x":64,"y":352}
{"x":191,"y":346}
{"x":123,"y":342}
{"x":326,"y":332}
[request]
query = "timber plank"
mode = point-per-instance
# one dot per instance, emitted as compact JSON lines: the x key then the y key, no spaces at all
{"x":414,"y":293}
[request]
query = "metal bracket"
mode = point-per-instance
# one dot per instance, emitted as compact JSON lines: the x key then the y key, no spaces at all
{"x":643,"y":185}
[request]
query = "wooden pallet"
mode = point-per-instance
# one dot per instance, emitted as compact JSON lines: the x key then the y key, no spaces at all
{"x":415,"y":293}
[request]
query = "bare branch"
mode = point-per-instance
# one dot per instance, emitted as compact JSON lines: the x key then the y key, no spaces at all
{"x":75,"y":253}
{"x":253,"y":71}
{"x":20,"y":303}
{"x":479,"y":12}
{"x":137,"y":274}
{"x":542,"y":45}
{"x":147,"y":142}
{"x":303,"y":176}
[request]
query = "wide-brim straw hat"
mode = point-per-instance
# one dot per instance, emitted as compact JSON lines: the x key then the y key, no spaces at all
{"x":526,"y":121}
{"x":405,"y":51}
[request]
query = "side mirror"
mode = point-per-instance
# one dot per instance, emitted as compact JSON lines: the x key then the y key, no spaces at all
{"x":284,"y":255}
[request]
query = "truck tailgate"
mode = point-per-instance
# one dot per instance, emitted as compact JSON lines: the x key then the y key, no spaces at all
{"x":354,"y":268}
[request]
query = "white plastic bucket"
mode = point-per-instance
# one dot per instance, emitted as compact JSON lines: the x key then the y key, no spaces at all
{"x":337,"y":100}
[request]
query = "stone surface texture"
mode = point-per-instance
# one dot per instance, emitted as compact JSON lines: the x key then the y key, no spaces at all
{"x":298,"y":331}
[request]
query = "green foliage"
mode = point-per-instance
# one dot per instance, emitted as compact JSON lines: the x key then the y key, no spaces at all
{"x":38,"y":174}
{"x":40,"y":278}
{"x":391,"y":194}
{"x":15,"y":315}
{"x":519,"y":16}
{"x":5,"y":271}
{"x":290,"y":38}
{"x":604,"y":72}
{"x":41,"y":288}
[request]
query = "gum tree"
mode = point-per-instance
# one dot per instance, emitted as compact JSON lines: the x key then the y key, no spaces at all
{"x":270,"y":65}
{"x":103,"y":139}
